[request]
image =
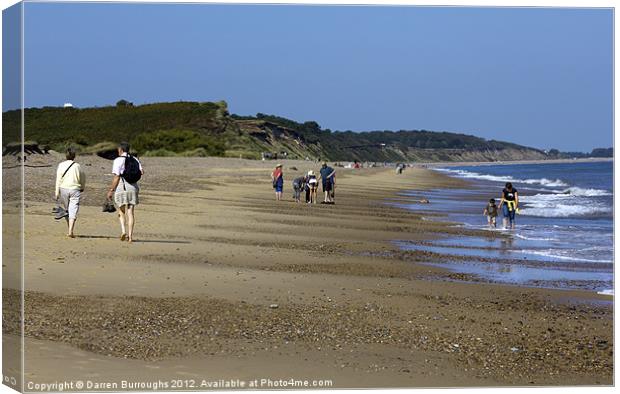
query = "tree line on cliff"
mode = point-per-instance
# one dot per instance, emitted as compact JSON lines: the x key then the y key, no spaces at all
{"x":207,"y":129}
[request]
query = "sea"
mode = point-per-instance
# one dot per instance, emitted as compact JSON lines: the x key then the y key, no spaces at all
{"x":564,"y":230}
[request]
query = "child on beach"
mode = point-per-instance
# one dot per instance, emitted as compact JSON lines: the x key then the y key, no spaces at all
{"x":490,"y":211}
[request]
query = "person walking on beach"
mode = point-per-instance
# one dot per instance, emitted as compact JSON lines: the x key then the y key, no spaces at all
{"x":127,"y":171}
{"x":327,"y":175}
{"x":70,"y":184}
{"x":277,"y":179}
{"x":307,"y":188}
{"x":509,"y":204}
{"x":490,"y":211}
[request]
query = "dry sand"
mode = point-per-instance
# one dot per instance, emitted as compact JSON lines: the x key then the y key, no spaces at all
{"x":192,"y":297}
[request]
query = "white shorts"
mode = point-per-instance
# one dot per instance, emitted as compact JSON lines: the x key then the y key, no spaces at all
{"x":70,"y":201}
{"x":126,"y":194}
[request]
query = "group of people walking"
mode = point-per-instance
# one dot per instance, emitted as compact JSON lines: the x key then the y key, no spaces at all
{"x":307,"y":184}
{"x":508,"y":204}
{"x":124,"y":190}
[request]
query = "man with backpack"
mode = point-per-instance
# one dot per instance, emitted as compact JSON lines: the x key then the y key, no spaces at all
{"x":127,"y":171}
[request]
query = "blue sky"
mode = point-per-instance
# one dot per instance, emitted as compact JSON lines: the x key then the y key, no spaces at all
{"x":538,"y":77}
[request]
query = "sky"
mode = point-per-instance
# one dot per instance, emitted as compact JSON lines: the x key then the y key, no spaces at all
{"x":540,"y":77}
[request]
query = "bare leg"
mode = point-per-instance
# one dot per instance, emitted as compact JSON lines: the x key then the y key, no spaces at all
{"x":121,"y":218}
{"x":71,"y":226}
{"x":130,"y":222}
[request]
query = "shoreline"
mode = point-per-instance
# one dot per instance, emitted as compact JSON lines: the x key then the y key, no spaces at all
{"x":523,"y":261}
{"x":370,"y":314}
{"x":516,"y":162}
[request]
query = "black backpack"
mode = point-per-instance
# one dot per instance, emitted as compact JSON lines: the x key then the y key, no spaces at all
{"x":132,"y":173}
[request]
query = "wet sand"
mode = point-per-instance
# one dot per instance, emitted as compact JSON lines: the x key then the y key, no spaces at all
{"x":225,"y":282}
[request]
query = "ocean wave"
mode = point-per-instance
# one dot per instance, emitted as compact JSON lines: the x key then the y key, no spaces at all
{"x":534,"y":238}
{"x":565,"y":210}
{"x":577,"y":202}
{"x":502,"y":178}
{"x":606,"y":292}
{"x":554,"y":255}
{"x":577,"y":191}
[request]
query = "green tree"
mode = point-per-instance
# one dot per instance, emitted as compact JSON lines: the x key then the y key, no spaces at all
{"x":124,"y":103}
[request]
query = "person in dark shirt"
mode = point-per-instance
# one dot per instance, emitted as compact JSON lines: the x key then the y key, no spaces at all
{"x":327,"y":175}
{"x":299,"y":185}
{"x":509,"y":204}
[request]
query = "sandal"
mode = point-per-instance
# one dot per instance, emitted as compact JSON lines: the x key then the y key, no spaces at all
{"x":123,"y":237}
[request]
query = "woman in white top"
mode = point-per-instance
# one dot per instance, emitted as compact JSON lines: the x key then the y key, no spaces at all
{"x":125,"y":192}
{"x":313,"y":183}
{"x":70,"y":183}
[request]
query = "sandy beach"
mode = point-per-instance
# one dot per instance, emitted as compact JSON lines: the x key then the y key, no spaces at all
{"x":223,"y":282}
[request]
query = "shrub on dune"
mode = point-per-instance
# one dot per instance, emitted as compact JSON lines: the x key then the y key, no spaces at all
{"x":184,"y":142}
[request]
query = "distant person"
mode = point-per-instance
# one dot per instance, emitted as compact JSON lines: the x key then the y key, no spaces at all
{"x":313,"y":185}
{"x":490,"y":211}
{"x":277,"y":180}
{"x":327,"y":175}
{"x":298,"y":187}
{"x":127,"y":171}
{"x":509,"y":204}
{"x":70,"y":184}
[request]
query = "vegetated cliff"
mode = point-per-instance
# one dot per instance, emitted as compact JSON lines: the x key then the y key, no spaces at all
{"x":277,"y":135}
{"x":201,"y":129}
